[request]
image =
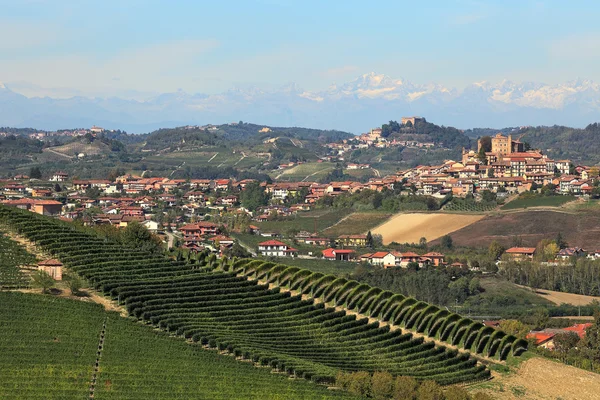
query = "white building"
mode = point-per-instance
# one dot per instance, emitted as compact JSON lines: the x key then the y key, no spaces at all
{"x":275,"y":248}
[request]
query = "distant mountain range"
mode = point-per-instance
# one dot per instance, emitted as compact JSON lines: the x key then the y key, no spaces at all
{"x":356,"y":106}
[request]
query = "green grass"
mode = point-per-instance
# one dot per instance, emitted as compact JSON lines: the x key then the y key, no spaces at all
{"x":311,"y":171}
{"x":357,"y":223}
{"x":538,"y":201}
{"x":49,"y":345}
{"x":306,"y":221}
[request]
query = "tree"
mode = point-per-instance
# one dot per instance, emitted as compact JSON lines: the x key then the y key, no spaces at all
{"x":565,"y":341}
{"x":430,"y":390}
{"x":343,"y":380}
{"x":495,"y":250}
{"x":253,"y":196}
{"x":382,"y":384}
{"x":481,"y":156}
{"x":456,"y":393}
{"x":405,"y":388}
{"x":560,"y":241}
{"x":35,"y":173}
{"x":43,"y":280}
{"x":361,"y":384}
{"x":514,"y":327}
{"x":446,"y":242}
{"x":423,"y":243}
{"x":485,"y":143}
{"x":136,"y":235}
{"x":57,"y":188}
{"x":369,"y":239}
{"x":74,"y":283}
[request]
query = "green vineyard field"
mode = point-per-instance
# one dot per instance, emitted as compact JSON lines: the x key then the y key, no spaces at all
{"x":256,"y":311}
{"x":49,"y":348}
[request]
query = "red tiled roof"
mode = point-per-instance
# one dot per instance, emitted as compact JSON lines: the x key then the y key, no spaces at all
{"x":52,"y":262}
{"x":521,"y":250}
{"x":272,"y":243}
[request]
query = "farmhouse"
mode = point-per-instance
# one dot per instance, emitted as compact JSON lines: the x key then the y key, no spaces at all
{"x":194,"y":233}
{"x":520,"y":253}
{"x":338,"y":254}
{"x":47,"y":207}
{"x":275,"y":248}
{"x":545,"y":338}
{"x":52,"y":267}
{"x":380,"y":258}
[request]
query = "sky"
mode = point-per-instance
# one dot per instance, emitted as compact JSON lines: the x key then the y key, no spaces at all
{"x":133,"y":48}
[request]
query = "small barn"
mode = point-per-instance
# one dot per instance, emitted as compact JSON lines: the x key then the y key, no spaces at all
{"x":52,"y":267}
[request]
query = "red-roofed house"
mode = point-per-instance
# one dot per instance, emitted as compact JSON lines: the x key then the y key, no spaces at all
{"x":545,"y":338}
{"x":275,"y":248}
{"x":521,"y":253}
{"x":381,"y":258}
{"x":433,"y":258}
{"x":403,"y":259}
{"x":338,"y":254}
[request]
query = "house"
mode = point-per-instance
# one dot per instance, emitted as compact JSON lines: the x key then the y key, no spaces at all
{"x":565,"y":254}
{"x":152,"y":226}
{"x":381,"y":258}
{"x":275,"y":248}
{"x":317,"y":241}
{"x":545,"y":338}
{"x":352,"y":240}
{"x":59,"y":177}
{"x":338,"y":254}
{"x":403,"y":259}
{"x":194,"y":233}
{"x":433,"y":258}
{"x":52,"y":267}
{"x":520,"y":253}
{"x":47,"y":207}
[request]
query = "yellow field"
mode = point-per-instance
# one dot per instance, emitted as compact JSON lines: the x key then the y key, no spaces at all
{"x":409,"y":228}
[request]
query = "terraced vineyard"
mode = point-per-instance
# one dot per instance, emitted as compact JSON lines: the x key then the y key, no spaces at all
{"x":469,"y":206}
{"x":290,"y":319}
{"x":12,"y":258}
{"x":49,"y":348}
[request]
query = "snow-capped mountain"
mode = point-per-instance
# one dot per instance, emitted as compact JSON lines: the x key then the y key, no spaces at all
{"x":356,"y":106}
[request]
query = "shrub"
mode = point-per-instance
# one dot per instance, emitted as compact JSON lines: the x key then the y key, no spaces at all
{"x":405,"y":388}
{"x":361,"y":384}
{"x":430,"y":390}
{"x":343,"y":380}
{"x":456,"y":393}
{"x":382,"y":385}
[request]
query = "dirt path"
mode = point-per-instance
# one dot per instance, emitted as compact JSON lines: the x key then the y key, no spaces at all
{"x":410,"y":227}
{"x":540,"y":379}
{"x":561,"y":297}
{"x":59,"y":154}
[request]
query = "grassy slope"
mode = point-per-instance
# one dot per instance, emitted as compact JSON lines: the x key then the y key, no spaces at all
{"x":549,"y":201}
{"x":49,"y":347}
{"x":357,"y":223}
{"x":305,"y":221}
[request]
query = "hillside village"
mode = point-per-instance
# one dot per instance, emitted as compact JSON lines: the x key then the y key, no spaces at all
{"x":190,"y":209}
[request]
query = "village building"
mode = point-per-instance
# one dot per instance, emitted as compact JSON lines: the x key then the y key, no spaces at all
{"x":352,"y":240}
{"x":521,"y":253}
{"x":338,"y":254}
{"x":275,"y":248}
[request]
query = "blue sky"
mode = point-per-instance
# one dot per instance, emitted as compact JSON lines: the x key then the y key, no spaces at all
{"x":128,"y":47}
